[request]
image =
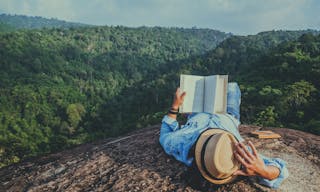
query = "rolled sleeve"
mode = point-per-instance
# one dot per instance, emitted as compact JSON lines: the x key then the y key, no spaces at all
{"x":281,"y":165}
{"x":168,"y":126}
{"x":170,"y":122}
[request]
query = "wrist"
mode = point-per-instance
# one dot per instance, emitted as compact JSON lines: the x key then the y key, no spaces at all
{"x":173,"y":111}
{"x":263,"y":172}
{"x":175,"y":107}
{"x":268,"y":172}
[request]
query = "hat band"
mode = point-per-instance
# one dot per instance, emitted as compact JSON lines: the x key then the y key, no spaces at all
{"x":203,"y":161}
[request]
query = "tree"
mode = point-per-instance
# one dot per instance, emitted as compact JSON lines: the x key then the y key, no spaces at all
{"x":75,"y":113}
{"x":299,"y":93}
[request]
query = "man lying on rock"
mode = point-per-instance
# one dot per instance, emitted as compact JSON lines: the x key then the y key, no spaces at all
{"x":214,"y":141}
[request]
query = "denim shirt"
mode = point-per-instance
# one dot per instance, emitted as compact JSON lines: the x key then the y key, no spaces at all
{"x":177,"y":141}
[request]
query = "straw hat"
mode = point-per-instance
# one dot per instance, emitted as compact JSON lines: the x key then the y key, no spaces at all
{"x":214,"y":156}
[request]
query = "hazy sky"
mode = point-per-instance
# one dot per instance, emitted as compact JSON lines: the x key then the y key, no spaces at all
{"x":235,"y":16}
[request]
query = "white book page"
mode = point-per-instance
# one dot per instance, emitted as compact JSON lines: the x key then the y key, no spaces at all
{"x":194,"y":87}
{"x":216,"y":94}
{"x":210,"y":93}
{"x":221,"y":98}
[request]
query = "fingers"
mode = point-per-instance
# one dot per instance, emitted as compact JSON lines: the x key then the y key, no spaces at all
{"x":240,"y":172}
{"x":240,"y":159}
{"x":254,"y":150}
{"x":179,"y":94}
{"x":178,"y":91}
{"x":183,"y":95}
{"x":241,"y":150}
{"x":246,"y":151}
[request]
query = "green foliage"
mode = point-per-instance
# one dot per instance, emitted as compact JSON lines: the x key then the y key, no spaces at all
{"x":239,"y":54}
{"x":27,"y":22}
{"x":313,"y":126}
{"x":287,"y":79}
{"x":299,"y":93}
{"x":267,"y":117}
{"x":6,"y":27}
{"x":75,"y":113}
{"x":61,"y":87}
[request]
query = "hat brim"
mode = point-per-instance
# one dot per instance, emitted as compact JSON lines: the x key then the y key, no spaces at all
{"x":198,"y":149}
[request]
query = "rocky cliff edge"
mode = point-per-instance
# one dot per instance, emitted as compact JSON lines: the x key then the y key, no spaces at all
{"x":136,"y":162}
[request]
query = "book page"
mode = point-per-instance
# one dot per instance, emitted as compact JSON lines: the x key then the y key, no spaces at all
{"x":194,"y":87}
{"x":215,"y":100}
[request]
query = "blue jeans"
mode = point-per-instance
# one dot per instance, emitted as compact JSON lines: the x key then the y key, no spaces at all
{"x":234,"y":100}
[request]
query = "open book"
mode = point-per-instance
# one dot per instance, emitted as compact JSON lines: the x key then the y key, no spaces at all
{"x":204,"y":93}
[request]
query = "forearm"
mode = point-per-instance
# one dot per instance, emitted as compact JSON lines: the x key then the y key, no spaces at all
{"x":276,"y":174}
{"x":178,"y":100}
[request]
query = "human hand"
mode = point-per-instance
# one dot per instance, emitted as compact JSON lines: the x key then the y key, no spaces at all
{"x":253,"y":164}
{"x":178,"y":98}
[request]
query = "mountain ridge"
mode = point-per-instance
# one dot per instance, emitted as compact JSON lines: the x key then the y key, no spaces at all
{"x":36,"y":22}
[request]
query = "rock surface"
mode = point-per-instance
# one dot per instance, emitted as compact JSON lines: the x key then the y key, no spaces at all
{"x":137,"y":162}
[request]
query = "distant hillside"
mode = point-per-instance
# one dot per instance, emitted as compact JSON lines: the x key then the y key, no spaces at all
{"x":31,"y":22}
{"x":278,"y":72}
{"x":239,"y":52}
{"x":60,"y":87}
{"x":6,"y":27}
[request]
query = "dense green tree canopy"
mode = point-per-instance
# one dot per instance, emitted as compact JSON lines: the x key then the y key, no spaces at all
{"x":60,"y":87}
{"x":65,"y":86}
{"x":28,"y":22}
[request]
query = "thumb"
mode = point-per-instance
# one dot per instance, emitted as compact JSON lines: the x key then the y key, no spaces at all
{"x":178,"y":91}
{"x":183,"y":95}
{"x":240,"y":172}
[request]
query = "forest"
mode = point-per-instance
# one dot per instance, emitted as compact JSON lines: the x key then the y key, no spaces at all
{"x":61,"y":87}
{"x":35,"y":22}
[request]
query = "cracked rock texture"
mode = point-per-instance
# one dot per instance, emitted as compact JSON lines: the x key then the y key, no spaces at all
{"x":136,"y":162}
